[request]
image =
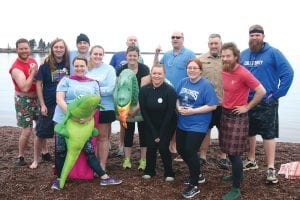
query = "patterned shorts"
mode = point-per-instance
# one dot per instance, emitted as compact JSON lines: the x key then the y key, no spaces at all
{"x":26,"y":110}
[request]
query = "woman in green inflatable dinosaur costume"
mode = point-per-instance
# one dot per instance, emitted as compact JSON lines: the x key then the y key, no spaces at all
{"x":77,"y":100}
{"x":131,"y":77}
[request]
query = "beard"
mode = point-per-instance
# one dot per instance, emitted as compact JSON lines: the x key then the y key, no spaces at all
{"x":228,"y":66}
{"x":256,"y":45}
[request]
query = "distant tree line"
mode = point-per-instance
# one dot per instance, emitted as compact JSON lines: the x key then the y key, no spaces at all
{"x":41,"y":46}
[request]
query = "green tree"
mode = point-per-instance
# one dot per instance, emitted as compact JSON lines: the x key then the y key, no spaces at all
{"x":32,"y":44}
{"x":42,"y":45}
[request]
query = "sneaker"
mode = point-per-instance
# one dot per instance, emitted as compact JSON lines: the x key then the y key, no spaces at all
{"x":190,"y":191}
{"x":55,"y":185}
{"x":223,"y":164}
{"x":20,"y":161}
{"x":234,"y":193}
{"x":120,"y":152}
{"x":142,"y":165}
{"x":126,"y":163}
{"x":271,"y":176}
{"x":178,"y":159}
{"x":146,"y":176}
{"x":202,"y":162}
{"x":169,"y":179}
{"x":229,"y":178}
{"x":110,"y":181}
{"x":46,"y":157}
{"x":249,"y":164}
{"x":200,"y":180}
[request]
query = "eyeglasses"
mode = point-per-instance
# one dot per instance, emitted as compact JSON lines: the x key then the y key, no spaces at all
{"x":176,"y":37}
{"x":192,"y":68}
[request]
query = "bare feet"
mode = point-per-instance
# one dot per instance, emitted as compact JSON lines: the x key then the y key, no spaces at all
{"x":34,"y":165}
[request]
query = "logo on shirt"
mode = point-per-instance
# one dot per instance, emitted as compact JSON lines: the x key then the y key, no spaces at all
{"x":159,"y":100}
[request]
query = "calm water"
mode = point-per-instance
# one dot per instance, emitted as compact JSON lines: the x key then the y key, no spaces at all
{"x":288,"y":111}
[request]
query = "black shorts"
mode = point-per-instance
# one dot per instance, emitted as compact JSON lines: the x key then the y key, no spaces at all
{"x":45,"y":124}
{"x":263,"y":120}
{"x":216,"y":118}
{"x":108,"y":116}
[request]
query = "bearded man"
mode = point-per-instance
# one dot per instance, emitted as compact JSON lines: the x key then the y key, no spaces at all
{"x":275,"y":73}
{"x":237,"y":82}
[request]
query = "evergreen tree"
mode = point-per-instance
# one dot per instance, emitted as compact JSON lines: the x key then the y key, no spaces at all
{"x":32,"y":44}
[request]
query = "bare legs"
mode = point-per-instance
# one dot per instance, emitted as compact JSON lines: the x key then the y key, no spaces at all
{"x":103,"y":143}
{"x":40,"y":145}
{"x":23,"y":139}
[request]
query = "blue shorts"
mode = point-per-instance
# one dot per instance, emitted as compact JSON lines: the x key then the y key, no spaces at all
{"x":263,"y":120}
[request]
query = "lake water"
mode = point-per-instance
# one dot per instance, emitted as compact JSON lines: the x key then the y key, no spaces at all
{"x":289,"y":107}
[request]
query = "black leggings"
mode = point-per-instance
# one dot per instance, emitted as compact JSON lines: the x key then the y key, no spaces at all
{"x":129,"y":133}
{"x":237,"y":170}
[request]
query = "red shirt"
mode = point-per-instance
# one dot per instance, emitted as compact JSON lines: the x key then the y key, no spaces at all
{"x":24,"y":67}
{"x":236,"y":86}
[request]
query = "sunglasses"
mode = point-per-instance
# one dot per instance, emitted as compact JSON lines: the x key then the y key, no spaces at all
{"x":176,"y":37}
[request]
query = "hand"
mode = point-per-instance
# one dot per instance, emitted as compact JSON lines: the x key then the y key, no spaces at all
{"x":32,"y":69}
{"x":44,"y":110}
{"x":185,"y":110}
{"x":158,"y":49}
{"x":240,"y":109}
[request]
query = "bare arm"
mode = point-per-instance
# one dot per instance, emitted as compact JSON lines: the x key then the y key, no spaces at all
{"x":20,"y":78}
{"x":259,"y":94}
{"x":60,"y":100}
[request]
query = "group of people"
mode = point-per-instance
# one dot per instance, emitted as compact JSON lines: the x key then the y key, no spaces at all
{"x":181,"y":98}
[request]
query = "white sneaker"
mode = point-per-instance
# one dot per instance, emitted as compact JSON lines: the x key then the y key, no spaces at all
{"x":169,"y":179}
{"x":146,"y":176}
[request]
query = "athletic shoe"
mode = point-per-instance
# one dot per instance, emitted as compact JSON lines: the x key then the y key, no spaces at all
{"x":190,"y":191}
{"x":169,"y":179}
{"x":178,"y":159}
{"x":234,"y":193}
{"x":223,"y":164}
{"x":200,"y":180}
{"x":126,"y":163}
{"x":120,"y":152}
{"x":55,"y":185}
{"x":271,"y":176}
{"x":20,"y":161}
{"x":249,"y":164}
{"x":142,"y":165}
{"x":110,"y":181}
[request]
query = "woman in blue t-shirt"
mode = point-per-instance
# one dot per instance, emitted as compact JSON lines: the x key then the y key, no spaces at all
{"x":196,"y":99}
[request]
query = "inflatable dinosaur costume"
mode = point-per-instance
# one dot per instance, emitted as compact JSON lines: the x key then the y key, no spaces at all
{"x":126,"y":97}
{"x":77,"y":127}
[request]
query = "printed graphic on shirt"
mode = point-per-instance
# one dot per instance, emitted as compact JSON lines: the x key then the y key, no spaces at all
{"x":58,"y":74}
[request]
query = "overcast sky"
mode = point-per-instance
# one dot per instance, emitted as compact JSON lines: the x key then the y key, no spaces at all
{"x":109,"y":22}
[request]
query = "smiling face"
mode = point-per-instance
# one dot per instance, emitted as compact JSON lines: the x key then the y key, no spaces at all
{"x":59,"y":50}
{"x":80,"y":67}
{"x":83,"y":47}
{"x":132,"y":57}
{"x":229,"y":60}
{"x":157,"y":75}
{"x":23,"y":51}
{"x":97,"y":55}
{"x":194,"y":71}
{"x":214,"y":45}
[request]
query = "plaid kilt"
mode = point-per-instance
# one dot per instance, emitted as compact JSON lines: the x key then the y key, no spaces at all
{"x":234,"y":133}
